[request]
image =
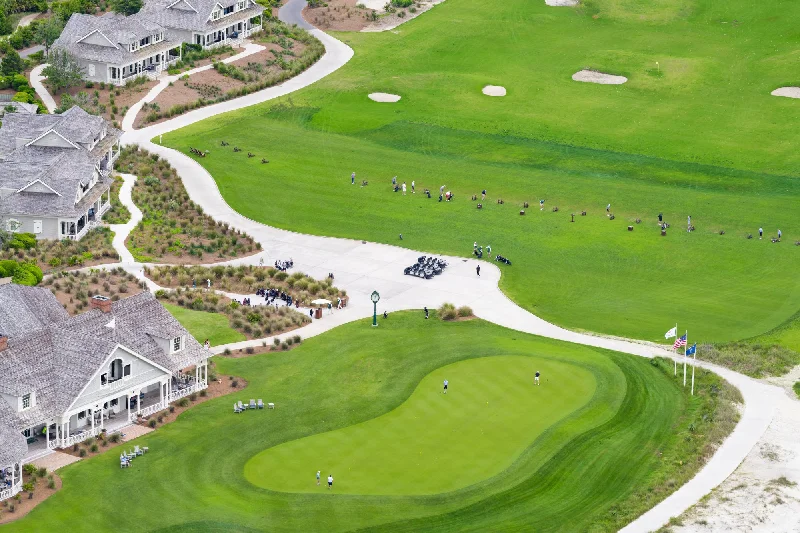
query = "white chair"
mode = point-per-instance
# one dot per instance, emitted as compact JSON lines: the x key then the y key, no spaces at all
{"x":271,"y":405}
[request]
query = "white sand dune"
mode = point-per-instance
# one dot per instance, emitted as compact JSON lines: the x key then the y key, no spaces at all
{"x":494,"y":90}
{"x":384,"y":97}
{"x":788,"y":92}
{"x":592,"y":76}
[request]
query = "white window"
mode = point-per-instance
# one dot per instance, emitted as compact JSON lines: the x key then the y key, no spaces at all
{"x":37,"y":226}
{"x":26,"y":401}
{"x":240,"y":5}
{"x":13,"y":225}
{"x":177,"y":344}
{"x":215,"y":14}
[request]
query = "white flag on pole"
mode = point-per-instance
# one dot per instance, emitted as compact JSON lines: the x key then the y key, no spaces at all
{"x":671,"y":333}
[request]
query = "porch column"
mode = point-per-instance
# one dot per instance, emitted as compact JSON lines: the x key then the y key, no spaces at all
{"x":47,"y":433}
{"x":92,"y":411}
{"x":161,"y":393}
{"x":138,"y":402}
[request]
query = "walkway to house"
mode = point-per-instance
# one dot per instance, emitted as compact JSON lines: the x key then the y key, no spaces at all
{"x":37,"y":82}
{"x":362,"y":267}
{"x":54,"y":461}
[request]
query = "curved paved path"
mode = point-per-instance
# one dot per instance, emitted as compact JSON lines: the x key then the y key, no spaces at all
{"x":38,"y":85}
{"x":362,"y":267}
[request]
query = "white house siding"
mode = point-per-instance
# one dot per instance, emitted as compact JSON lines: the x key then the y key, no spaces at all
{"x":100,"y":70}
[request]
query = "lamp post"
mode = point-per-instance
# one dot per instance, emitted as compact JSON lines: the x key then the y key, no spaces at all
{"x":375,"y":297}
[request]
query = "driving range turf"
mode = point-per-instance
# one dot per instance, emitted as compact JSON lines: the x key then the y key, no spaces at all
{"x":698,"y":135}
{"x":618,"y":439}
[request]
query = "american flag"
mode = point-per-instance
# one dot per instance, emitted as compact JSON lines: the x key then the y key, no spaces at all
{"x":680,"y":341}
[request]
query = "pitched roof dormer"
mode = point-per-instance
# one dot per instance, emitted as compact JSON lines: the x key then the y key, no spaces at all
{"x":97,"y":37}
{"x":38,"y":186}
{"x":53,"y":139}
{"x":182,"y":5}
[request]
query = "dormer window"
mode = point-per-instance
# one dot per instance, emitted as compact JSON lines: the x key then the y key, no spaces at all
{"x":215,"y":14}
{"x":177,"y":344}
{"x":228,"y":10}
{"x":26,"y":402}
{"x":240,"y":5}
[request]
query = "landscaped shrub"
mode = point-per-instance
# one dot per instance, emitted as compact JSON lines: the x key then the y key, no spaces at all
{"x":82,"y":453}
{"x":464,"y":311}
{"x":93,"y":448}
{"x":448,"y":312}
{"x":171,"y":408}
{"x":235,"y":383}
{"x":193,"y":396}
{"x":152,"y":423}
{"x":297,"y":339}
{"x":183,"y":402}
{"x":115,"y":437}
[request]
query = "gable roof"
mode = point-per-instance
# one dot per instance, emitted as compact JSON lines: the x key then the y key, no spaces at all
{"x":58,"y":359}
{"x":24,"y":309}
{"x":120,"y":32}
{"x":61,"y":167}
{"x":168,"y":13}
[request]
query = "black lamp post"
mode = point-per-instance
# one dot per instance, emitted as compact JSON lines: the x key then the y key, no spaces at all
{"x":375,"y":297}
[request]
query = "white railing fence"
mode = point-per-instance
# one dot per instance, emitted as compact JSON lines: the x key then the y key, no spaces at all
{"x":195,"y":387}
{"x":11,"y":491}
{"x":74,"y":439}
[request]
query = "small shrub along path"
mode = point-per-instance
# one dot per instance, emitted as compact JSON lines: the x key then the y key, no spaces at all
{"x":336,"y":382}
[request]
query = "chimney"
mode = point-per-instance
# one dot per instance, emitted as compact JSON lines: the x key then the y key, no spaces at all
{"x":102,"y":303}
{"x":3,"y":342}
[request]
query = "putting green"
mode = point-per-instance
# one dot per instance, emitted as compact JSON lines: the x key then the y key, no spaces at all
{"x":434,"y":442}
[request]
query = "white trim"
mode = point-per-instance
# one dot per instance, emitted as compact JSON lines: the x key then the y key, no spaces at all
{"x":53,"y":131}
{"x":102,"y":367}
{"x":112,"y":43}
{"x":185,"y":2}
{"x":37,"y":180}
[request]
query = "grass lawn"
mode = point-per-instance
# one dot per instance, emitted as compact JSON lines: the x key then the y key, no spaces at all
{"x":435,"y":442}
{"x":203,"y":325}
{"x":698,"y":135}
{"x":600,"y":462}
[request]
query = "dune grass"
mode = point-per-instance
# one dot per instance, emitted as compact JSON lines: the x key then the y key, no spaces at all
{"x":637,"y":439}
{"x":203,"y":325}
{"x":693,"y":136}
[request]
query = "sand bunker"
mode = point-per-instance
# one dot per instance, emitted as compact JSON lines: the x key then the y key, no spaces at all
{"x":788,"y":92}
{"x":592,"y":76}
{"x":384,"y":97}
{"x":494,"y":90}
{"x":561,"y":3}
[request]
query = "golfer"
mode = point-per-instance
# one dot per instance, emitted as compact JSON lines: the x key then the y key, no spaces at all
{"x":352,"y":182}
{"x":608,"y":208}
{"x":445,"y":387}
{"x":483,"y":194}
{"x":760,"y":232}
{"x":541,"y":205}
{"x":330,"y":481}
{"x":478,"y":270}
{"x":318,"y":472}
{"x":779,"y":234}
{"x":404,"y":188}
{"x":412,"y":186}
{"x":536,"y":378}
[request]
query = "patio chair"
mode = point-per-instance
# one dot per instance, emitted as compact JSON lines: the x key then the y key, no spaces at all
{"x":138,"y":451}
{"x":271,"y":405}
{"x":145,"y":449}
{"x":260,"y":403}
{"x":236,"y":408}
{"x":241,"y":407}
{"x":252,"y":403}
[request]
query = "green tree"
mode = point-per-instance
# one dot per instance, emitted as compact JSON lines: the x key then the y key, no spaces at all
{"x":63,"y":71}
{"x":48,"y":31}
{"x":126,"y":7}
{"x":12,"y":63}
{"x":5,"y":24}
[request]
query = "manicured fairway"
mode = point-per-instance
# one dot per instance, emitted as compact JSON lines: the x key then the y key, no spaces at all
{"x":595,"y":468}
{"x":202,"y":325}
{"x":698,"y":135}
{"x":435,"y":442}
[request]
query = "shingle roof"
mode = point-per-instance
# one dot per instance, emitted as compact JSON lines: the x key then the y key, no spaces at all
{"x":62,"y":170}
{"x":13,"y":447}
{"x":24,"y":309}
{"x":58,"y":360}
{"x":122,"y":31}
{"x":197,"y":19}
{"x":19,"y":107}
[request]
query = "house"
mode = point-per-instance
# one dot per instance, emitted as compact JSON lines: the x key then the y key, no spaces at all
{"x":68,"y":378}
{"x":208,"y":23}
{"x":114,"y":48}
{"x":54,"y":172}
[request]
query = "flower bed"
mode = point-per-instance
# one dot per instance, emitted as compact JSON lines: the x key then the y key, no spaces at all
{"x":73,"y":289}
{"x":50,"y":255}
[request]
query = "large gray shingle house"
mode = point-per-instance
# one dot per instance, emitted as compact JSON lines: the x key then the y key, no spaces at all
{"x":114,"y":48}
{"x":208,"y":23}
{"x":54,"y":172}
{"x":68,"y":378}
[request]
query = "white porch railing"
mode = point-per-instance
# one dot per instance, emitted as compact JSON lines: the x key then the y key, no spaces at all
{"x":194,"y":387}
{"x":74,"y":439}
{"x":147,"y":411}
{"x":11,"y":491}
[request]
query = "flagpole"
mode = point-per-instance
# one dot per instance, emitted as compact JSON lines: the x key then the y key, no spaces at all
{"x":675,"y":360}
{"x":694,"y":364}
{"x":684,"y":357}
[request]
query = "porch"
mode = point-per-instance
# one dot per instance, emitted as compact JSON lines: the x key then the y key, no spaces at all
{"x":10,"y":481}
{"x":149,"y":67}
{"x":232,"y":35}
{"x":74,"y":230}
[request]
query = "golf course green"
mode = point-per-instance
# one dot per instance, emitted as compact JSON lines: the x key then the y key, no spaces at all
{"x":436,"y":442}
{"x":604,"y":438}
{"x":694,"y":131}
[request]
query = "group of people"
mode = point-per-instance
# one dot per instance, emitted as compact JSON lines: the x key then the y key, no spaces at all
{"x":283,"y":266}
{"x":330,"y":476}
{"x":270,"y":295}
{"x":761,"y":235}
